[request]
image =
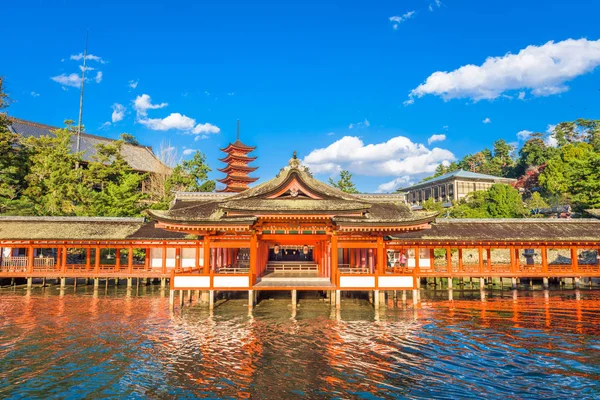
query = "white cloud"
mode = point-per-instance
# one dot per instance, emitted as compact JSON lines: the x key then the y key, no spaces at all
{"x":173,"y":121}
{"x":118,"y":112}
{"x":90,"y":57}
{"x":132,"y":84}
{"x":436,"y":138}
{"x":200,"y":137}
{"x":521,"y":95}
{"x":87,"y":68}
{"x":105,"y":125}
{"x":34,"y":94}
{"x":550,"y":139}
{"x":72,"y":80}
{"x":143,"y":103}
{"x":205,"y":128}
{"x":524,"y":134}
{"x":435,"y":4}
{"x":98,"y":77}
{"x":398,"y":19}
{"x":487,"y":121}
{"x":231,"y":94}
{"x":445,"y":127}
{"x":391,"y":186}
{"x":331,"y":134}
{"x":397,"y":157}
{"x":364,"y":123}
{"x":188,"y":152}
{"x":408,"y":102}
{"x":543,"y":70}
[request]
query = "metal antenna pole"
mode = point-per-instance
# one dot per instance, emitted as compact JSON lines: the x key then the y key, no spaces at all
{"x":81,"y":95}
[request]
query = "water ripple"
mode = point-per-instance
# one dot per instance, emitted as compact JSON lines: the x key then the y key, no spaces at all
{"x":113,"y":344}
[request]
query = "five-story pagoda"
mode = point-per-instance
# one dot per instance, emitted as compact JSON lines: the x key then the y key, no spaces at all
{"x":237,"y":169}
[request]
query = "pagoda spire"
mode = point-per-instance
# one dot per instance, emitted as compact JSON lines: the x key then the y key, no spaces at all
{"x":237,"y":168}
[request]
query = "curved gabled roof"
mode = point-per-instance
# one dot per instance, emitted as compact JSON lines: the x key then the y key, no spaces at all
{"x":293,"y":192}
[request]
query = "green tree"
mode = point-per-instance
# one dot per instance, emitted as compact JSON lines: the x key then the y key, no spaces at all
{"x":535,"y":203}
{"x":345,"y":183}
{"x":13,"y":167}
{"x":112,"y":188}
{"x":129,"y":138}
{"x":500,"y":201}
{"x":54,"y":185}
{"x":575,"y":173}
{"x":431,"y":205}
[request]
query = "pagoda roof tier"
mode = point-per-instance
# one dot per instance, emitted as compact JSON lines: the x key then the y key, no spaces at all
{"x":244,"y":168}
{"x":237,"y":145}
{"x":233,"y":157}
{"x":242,"y":178}
{"x":294,"y":193}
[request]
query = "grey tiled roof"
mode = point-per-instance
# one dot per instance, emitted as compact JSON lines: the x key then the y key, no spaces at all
{"x":140,"y":158}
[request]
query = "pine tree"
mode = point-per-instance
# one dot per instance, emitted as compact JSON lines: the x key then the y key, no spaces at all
{"x":345,"y":183}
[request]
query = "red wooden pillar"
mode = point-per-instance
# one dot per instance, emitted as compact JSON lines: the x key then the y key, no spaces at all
{"x":574,"y":259}
{"x":448,"y":260}
{"x":206,"y":249}
{"x":30,"y":259}
{"x":544,"y":260}
{"x":417,"y":260}
{"x":88,"y":261}
{"x":97,"y":260}
{"x":117,"y":259}
{"x":460,"y":260}
{"x":164,"y":259}
{"x":58,"y":258}
{"x":480,"y":252}
{"x":334,"y":259}
{"x":489,"y":258}
{"x":178,"y":258}
{"x":130,"y":260}
{"x":64,"y":259}
{"x":381,"y":256}
{"x":147,"y":259}
{"x":513,"y":261}
{"x":253,"y":255}
{"x":197,"y":256}
{"x":431,"y":259}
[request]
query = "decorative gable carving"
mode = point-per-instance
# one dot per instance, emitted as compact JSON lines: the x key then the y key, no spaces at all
{"x":294,"y":190}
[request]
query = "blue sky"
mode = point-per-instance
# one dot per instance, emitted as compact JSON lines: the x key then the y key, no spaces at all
{"x":355,"y":85}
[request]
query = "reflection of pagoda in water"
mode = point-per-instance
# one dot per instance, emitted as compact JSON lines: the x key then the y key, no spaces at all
{"x":237,"y":169}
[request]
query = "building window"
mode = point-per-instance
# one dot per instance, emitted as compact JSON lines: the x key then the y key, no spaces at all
{"x":451,"y":190}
